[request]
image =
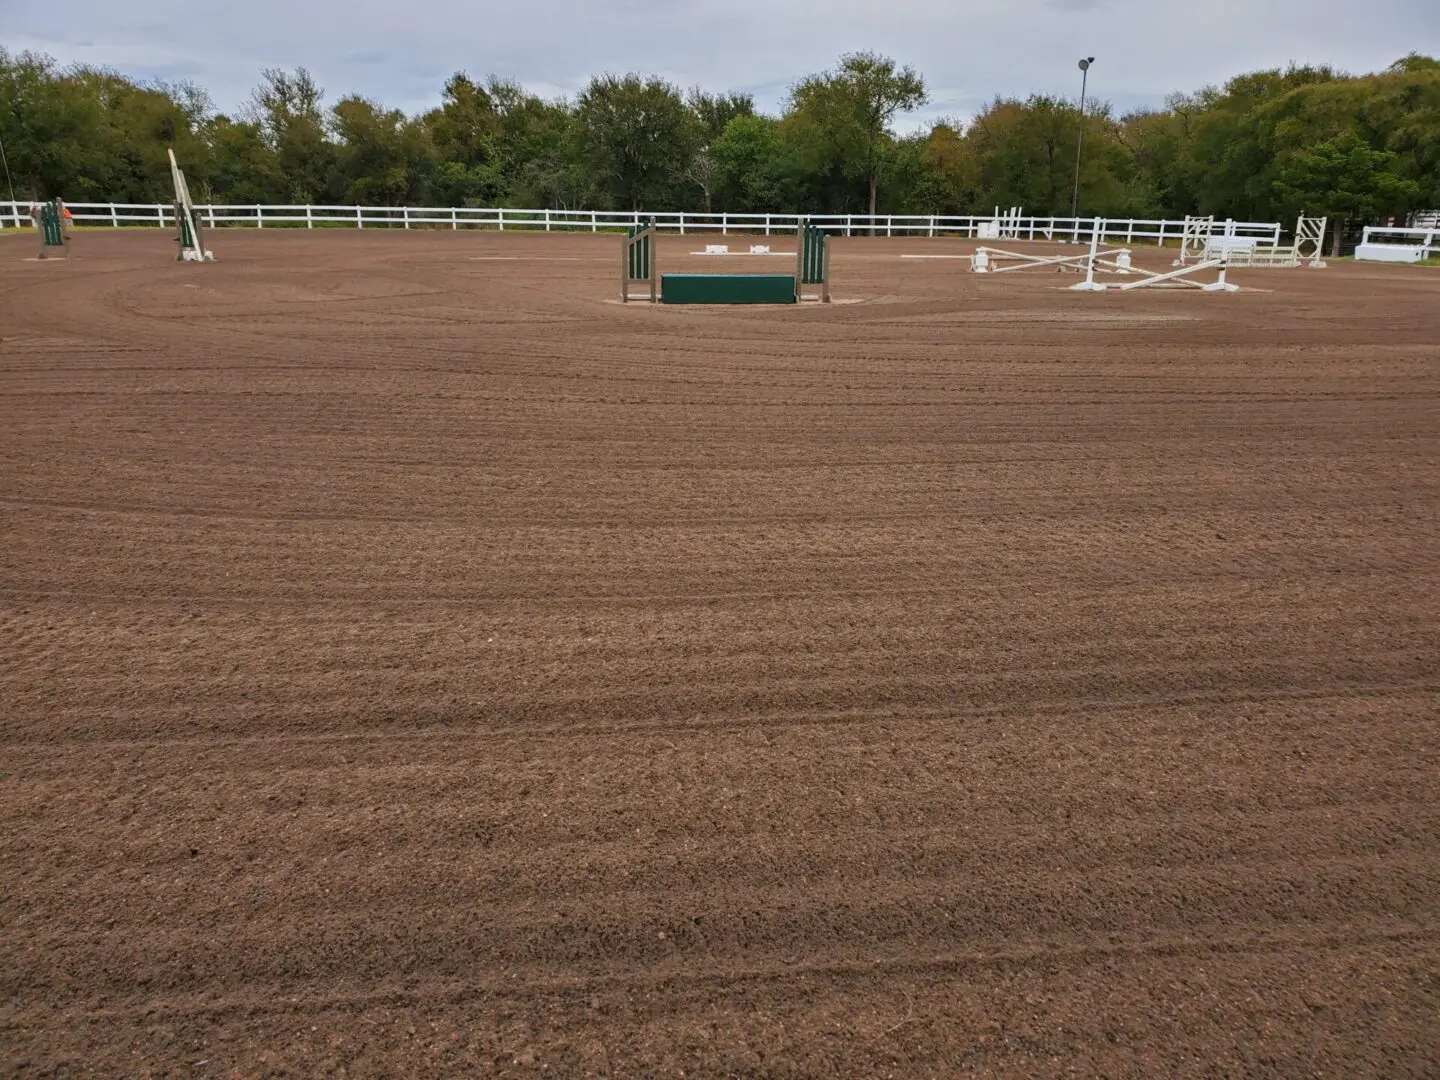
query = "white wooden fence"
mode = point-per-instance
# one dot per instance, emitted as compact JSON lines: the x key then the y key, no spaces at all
{"x":159,"y":215}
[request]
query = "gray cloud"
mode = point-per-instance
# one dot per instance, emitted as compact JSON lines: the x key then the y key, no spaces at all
{"x":969,"y":50}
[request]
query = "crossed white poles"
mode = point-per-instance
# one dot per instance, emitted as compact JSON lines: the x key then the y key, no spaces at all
{"x":1115,"y":261}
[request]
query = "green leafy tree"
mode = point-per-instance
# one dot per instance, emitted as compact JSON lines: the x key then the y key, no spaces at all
{"x":637,"y":138}
{"x":1157,"y":142}
{"x":1263,"y":146}
{"x":712,"y":113}
{"x":1345,"y":180}
{"x":287,"y":108}
{"x":381,"y":157}
{"x":754,"y":169}
{"x":1232,"y":152}
{"x":134,"y":128}
{"x":841,"y":119}
{"x":1403,"y":109}
{"x":950,"y":181}
{"x":243,"y":168}
{"x":49,"y":130}
{"x":464,"y":132}
{"x":539,"y":155}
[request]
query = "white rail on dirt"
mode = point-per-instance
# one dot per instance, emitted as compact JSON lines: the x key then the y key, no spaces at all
{"x":1424,"y":237}
{"x":266,"y":216}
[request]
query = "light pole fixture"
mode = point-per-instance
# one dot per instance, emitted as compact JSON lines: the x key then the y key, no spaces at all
{"x":1080,"y":146}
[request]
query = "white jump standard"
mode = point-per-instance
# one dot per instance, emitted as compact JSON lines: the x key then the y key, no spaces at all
{"x":1202,"y":242}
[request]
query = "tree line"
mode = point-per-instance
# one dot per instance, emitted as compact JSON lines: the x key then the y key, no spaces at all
{"x":1264,"y":146}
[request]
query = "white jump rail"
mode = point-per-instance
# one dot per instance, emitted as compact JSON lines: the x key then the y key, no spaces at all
{"x":266,"y":216}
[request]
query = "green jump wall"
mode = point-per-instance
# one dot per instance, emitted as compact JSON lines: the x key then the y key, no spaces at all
{"x":727,"y":288}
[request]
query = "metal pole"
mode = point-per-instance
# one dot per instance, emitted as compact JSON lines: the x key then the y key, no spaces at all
{"x":10,"y":184}
{"x":1080,"y":146}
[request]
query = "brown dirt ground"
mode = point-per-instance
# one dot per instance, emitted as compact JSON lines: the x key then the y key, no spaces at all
{"x":416,"y":663}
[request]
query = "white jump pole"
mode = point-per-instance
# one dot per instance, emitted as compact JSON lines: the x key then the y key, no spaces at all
{"x":1090,"y":284}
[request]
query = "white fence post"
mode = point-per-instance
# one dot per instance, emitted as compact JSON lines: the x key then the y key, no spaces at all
{"x":501,"y":218}
{"x":259,"y":217}
{"x":114,"y":216}
{"x":547,"y":219}
{"x":405,"y":213}
{"x":160,"y":213}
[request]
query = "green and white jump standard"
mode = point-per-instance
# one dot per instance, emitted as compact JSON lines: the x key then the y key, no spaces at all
{"x":192,"y":243}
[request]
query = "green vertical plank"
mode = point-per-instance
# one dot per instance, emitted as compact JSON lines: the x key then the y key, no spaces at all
{"x":52,"y":225}
{"x":813,"y":260}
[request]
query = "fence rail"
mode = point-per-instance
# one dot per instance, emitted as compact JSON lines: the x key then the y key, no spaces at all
{"x":159,"y":215}
{"x":1428,"y":236}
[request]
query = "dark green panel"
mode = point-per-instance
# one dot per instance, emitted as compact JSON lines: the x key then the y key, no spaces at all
{"x":812,"y":261}
{"x":52,"y":224}
{"x":638,"y":252}
{"x":727,"y":288}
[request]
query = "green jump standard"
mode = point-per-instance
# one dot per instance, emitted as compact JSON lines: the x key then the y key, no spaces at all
{"x":727,"y":288}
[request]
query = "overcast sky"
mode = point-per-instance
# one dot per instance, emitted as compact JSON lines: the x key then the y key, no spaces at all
{"x":969,"y":51}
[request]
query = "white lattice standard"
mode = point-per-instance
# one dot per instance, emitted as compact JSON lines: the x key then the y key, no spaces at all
{"x":1306,"y":250}
{"x":1194,"y":236}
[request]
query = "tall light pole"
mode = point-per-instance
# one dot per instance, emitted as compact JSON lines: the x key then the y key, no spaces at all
{"x":10,"y":183}
{"x":1080,"y":146}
